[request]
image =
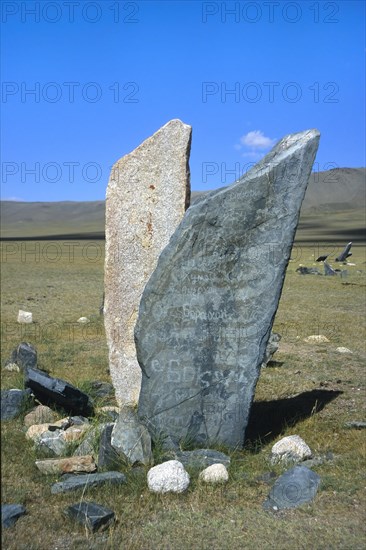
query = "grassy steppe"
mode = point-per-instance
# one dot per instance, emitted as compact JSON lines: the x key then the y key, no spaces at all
{"x":310,"y":390}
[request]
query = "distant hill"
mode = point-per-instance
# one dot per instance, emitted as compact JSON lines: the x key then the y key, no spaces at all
{"x":335,"y":192}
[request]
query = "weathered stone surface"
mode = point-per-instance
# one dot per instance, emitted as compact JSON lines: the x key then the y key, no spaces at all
{"x":295,"y":487}
{"x":40,"y":415}
{"x":71,"y":464}
{"x":24,"y":355}
{"x":13,"y":402}
{"x":10,"y":513}
{"x":131,"y":438}
{"x":207,"y":311}
{"x":147,"y":195}
{"x":51,"y":443}
{"x":91,"y":515}
{"x":54,"y":390}
{"x":217,"y":473}
{"x":169,"y":477}
{"x":86,"y":481}
{"x":90,"y":443}
{"x":108,"y":457}
{"x":290,"y":448}
{"x":202,"y":458}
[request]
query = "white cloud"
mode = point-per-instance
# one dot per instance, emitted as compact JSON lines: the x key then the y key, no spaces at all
{"x":256,"y":140}
{"x":14,"y":199}
{"x":254,"y":143}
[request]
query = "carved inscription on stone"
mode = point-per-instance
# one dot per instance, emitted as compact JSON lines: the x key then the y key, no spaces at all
{"x":208,"y":308}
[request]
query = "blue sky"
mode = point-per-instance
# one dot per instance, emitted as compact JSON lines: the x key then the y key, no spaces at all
{"x":106,"y":75}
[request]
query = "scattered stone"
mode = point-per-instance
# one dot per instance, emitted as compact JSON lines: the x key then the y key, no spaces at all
{"x":10,"y":513}
{"x":316,"y":339}
{"x":343,"y":350}
{"x":147,"y":195}
{"x":91,"y":515}
{"x":90,"y":443}
{"x":12,"y":367}
{"x":13,"y":402}
{"x":24,"y":355}
{"x":35,"y":431}
{"x":290,"y":448}
{"x":74,"y":433}
{"x":272,"y":347}
{"x":51,"y":443}
{"x":131,"y":438}
{"x":328,"y":270}
{"x":75,"y":482}
{"x":207,"y":310}
{"x":295,"y":487}
{"x":83,"y":320}
{"x":303,"y":270}
{"x":108,"y":457}
{"x":169,"y":477}
{"x":24,"y":317}
{"x":356,"y":425}
{"x":72,"y":464}
{"x":40,"y":415}
{"x":101,"y":389}
{"x":217,"y":473}
{"x":202,"y":458}
{"x":54,"y":390}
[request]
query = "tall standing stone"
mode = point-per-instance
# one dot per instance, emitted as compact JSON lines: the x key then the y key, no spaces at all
{"x":207,"y":311}
{"x":147,"y":195}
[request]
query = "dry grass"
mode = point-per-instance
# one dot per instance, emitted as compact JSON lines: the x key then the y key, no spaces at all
{"x":298,"y":394}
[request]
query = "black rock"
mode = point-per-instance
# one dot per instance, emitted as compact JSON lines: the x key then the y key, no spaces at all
{"x":13,"y":402}
{"x":50,"y":390}
{"x":25,"y":355}
{"x":92,"y":515}
{"x":108,"y":457}
{"x":85,"y":481}
{"x":10,"y":513}
{"x":295,"y":487}
{"x":202,"y":458}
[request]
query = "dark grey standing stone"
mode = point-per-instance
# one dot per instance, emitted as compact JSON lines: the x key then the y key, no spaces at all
{"x":13,"y":402}
{"x":25,"y":355}
{"x":108,"y":457}
{"x":10,"y":513}
{"x":85,"y":481}
{"x":202,"y":458}
{"x":54,"y":390}
{"x":295,"y":487}
{"x":92,"y":515}
{"x":207,"y":311}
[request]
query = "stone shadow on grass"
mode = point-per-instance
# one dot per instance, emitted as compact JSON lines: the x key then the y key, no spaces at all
{"x":268,"y":419}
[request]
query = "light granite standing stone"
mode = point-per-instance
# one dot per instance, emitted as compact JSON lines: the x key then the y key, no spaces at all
{"x":147,"y":195}
{"x":207,"y":310}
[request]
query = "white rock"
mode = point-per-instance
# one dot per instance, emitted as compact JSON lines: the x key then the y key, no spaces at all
{"x":83,"y":320}
{"x":343,"y":350}
{"x":316,"y":338}
{"x":12,"y":367}
{"x":24,"y":317}
{"x":292,"y":447}
{"x":217,"y":473}
{"x":169,"y":477}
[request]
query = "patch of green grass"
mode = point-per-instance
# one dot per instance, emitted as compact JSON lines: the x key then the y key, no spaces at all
{"x":312,"y":390}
